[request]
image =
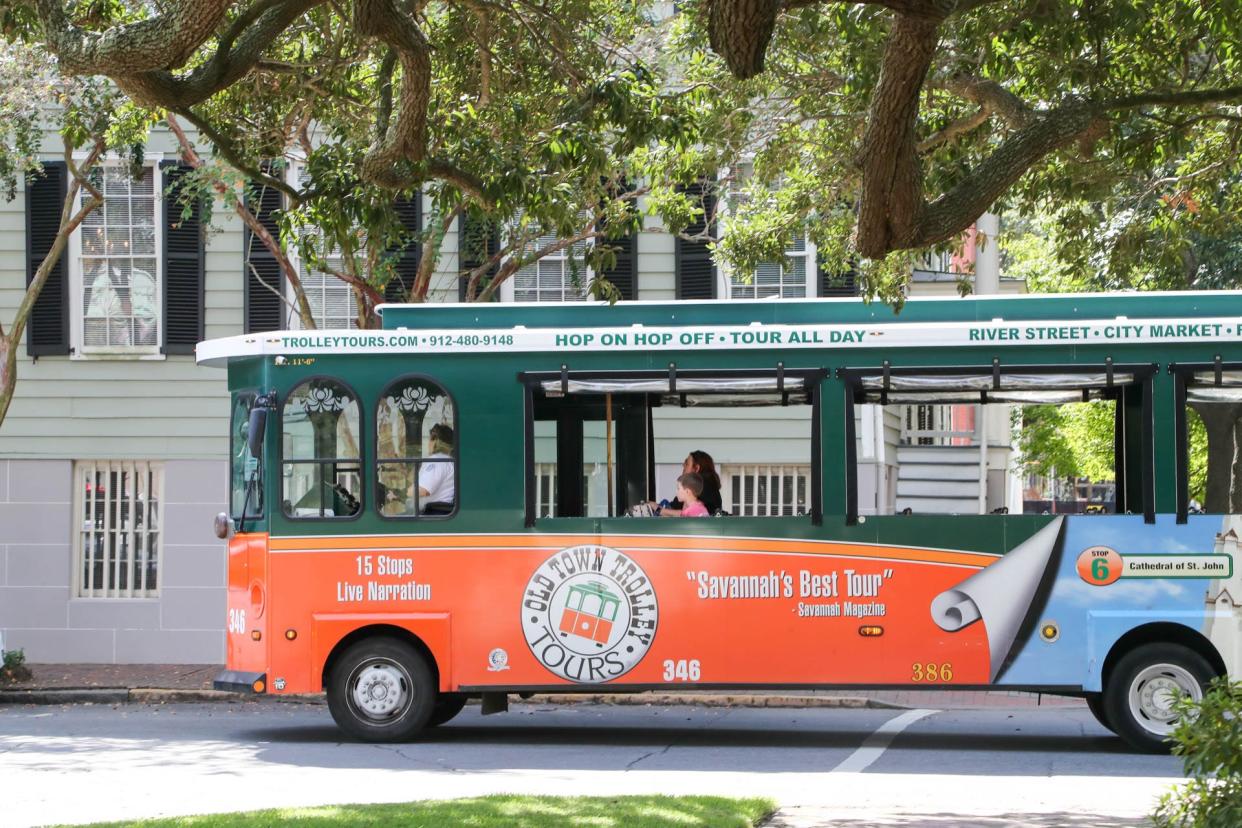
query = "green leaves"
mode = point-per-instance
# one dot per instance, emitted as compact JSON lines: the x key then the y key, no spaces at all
{"x":1208,"y":737}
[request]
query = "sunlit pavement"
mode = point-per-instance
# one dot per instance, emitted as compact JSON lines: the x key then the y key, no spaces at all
{"x":990,"y":767}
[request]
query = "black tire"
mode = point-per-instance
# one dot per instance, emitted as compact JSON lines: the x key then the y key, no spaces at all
{"x":1095,"y":703}
{"x":1138,"y":691}
{"x":448,"y":705}
{"x":381,"y":690}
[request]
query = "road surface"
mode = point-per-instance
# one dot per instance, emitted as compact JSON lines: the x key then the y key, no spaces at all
{"x":838,"y":767}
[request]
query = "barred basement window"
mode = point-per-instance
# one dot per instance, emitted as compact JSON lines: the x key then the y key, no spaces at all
{"x":766,"y":491}
{"x":119,"y":542}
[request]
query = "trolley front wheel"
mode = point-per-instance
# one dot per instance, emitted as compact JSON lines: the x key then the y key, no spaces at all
{"x":448,"y":705}
{"x":381,"y":690}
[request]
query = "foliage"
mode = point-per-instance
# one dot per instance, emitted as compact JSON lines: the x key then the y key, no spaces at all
{"x":1068,"y":441}
{"x":1154,"y":168}
{"x":503,"y":811}
{"x":1209,"y":739}
{"x":539,"y":118}
{"x":14,"y":668}
{"x":1076,"y":441}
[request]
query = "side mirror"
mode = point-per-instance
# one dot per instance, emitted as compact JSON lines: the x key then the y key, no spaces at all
{"x":223,"y":526}
{"x":254,"y":434}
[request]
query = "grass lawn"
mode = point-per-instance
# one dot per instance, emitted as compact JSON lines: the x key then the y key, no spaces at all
{"x":503,"y":812}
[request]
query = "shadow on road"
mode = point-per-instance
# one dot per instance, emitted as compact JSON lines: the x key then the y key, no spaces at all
{"x":812,"y":818}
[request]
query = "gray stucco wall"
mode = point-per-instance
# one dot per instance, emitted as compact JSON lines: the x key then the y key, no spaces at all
{"x":39,"y":612}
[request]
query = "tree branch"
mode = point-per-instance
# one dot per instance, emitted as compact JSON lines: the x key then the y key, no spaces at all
{"x":955,"y":129}
{"x":160,"y":88}
{"x":303,"y":308}
{"x":159,"y":42}
{"x":231,"y":154}
{"x":1174,"y":97}
{"x":390,"y":161}
{"x":993,"y":98}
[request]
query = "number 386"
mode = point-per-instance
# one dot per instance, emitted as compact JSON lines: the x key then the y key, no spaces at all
{"x":931,"y":672}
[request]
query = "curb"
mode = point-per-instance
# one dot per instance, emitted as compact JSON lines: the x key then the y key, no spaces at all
{"x":142,"y":695}
{"x":164,"y":696}
{"x":712,"y":700}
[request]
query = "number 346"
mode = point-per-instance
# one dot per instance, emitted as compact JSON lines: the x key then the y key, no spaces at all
{"x":682,"y":669}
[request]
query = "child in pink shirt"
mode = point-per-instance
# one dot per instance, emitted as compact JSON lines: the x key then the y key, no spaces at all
{"x":689,"y":487}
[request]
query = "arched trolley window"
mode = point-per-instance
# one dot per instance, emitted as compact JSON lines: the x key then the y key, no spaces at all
{"x":321,"y":465}
{"x":1129,"y":386}
{"x":415,"y":450}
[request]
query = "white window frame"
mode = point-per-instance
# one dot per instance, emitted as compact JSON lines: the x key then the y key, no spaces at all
{"x":293,"y":177}
{"x":731,"y":287}
{"x":509,"y":290}
{"x":77,"y":290}
{"x":92,"y":530}
{"x":726,"y":285}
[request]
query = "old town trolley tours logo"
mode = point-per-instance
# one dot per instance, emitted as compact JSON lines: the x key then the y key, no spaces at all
{"x":589,"y":613}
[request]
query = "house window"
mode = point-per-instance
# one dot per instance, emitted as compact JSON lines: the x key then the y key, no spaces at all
{"x":117,"y":265}
{"x":557,"y":277}
{"x":787,"y":280}
{"x":331,"y":299}
{"x":766,"y":491}
{"x":119,"y":542}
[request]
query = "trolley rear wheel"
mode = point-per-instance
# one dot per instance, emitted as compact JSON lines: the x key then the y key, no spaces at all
{"x":1095,"y":703}
{"x":1143,"y":687}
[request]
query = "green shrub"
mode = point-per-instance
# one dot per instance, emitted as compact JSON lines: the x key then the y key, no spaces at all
{"x":1209,"y":740}
{"x":14,"y":668}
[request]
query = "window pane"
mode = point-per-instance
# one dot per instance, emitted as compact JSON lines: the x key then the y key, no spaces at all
{"x":118,"y":545}
{"x":415,"y":422}
{"x":120,"y":276}
{"x":246,"y":490}
{"x":319,"y":443}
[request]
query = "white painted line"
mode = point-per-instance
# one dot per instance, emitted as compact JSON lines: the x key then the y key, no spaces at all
{"x":875,"y":744}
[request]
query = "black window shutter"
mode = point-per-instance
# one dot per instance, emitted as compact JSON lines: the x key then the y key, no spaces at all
{"x":264,"y":308}
{"x":624,"y":274}
{"x":47,"y":331}
{"x":183,"y":266}
{"x":410,"y":211}
{"x":696,"y":272}
{"x":478,"y":239}
{"x":834,"y":282}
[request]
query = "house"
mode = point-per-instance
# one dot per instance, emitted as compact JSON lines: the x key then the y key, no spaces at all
{"x":113,"y":457}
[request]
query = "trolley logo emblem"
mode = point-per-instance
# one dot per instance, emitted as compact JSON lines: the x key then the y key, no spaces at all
{"x":589,"y":614}
{"x":497,"y":660}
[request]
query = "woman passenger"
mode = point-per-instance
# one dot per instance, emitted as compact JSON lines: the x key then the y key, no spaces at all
{"x":700,"y":463}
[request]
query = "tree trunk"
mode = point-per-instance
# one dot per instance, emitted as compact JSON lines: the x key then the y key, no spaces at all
{"x":8,"y":373}
{"x":1220,"y":422}
{"x":892,"y":199}
{"x":1235,"y":493}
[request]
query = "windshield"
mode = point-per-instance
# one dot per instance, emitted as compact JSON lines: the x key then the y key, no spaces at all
{"x":244,"y":470}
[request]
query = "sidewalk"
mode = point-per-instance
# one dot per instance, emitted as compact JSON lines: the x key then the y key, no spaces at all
{"x":164,"y":683}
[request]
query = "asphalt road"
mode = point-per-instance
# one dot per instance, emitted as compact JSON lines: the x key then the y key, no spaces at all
{"x":1044,"y":767}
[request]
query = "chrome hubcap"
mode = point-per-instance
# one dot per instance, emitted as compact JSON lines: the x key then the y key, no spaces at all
{"x":1153,"y":694}
{"x":380,"y":689}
